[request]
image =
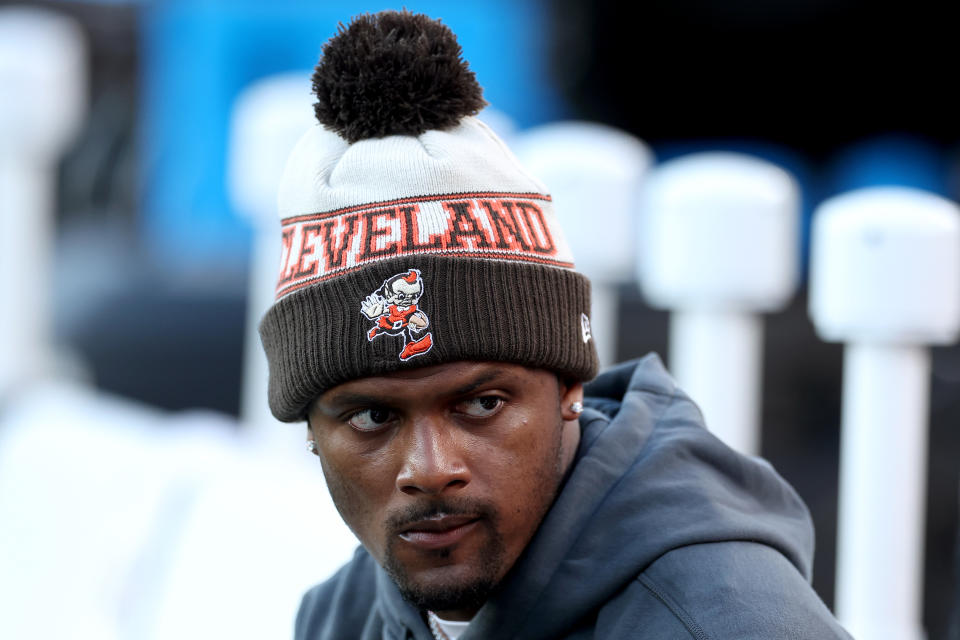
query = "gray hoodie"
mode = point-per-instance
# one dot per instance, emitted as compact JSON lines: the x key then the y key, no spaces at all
{"x":660,"y":531}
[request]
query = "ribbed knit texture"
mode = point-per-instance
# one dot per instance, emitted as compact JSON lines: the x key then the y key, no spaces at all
{"x":478,"y":309}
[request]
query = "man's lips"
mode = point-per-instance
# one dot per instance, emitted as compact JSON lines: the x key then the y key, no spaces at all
{"x":436,"y":533}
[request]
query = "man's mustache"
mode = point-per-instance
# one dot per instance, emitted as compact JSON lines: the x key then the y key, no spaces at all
{"x":402,"y":519}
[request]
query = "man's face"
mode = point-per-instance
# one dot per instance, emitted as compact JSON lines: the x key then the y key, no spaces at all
{"x":445,"y":472}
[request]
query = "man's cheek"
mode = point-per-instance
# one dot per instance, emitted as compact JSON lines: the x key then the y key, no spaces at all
{"x":351,"y":502}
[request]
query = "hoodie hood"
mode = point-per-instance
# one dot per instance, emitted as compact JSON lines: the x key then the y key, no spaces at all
{"x":648,"y":478}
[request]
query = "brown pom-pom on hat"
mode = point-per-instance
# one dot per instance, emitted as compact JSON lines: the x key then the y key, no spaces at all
{"x":393,"y":73}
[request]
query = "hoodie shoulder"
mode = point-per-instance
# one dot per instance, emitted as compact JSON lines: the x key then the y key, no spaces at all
{"x":334,"y":610}
{"x":720,"y":590}
{"x":703,"y":490}
{"x":641,"y":374}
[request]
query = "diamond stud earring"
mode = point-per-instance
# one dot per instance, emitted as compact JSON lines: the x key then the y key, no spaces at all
{"x":577,"y":407}
{"x":311,"y":446}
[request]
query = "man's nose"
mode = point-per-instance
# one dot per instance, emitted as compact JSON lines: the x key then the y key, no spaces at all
{"x":433,"y":460}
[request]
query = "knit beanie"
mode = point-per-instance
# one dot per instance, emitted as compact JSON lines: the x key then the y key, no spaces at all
{"x":411,"y":236}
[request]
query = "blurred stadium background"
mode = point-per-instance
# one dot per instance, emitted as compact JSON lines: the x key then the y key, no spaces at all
{"x":151,"y":260}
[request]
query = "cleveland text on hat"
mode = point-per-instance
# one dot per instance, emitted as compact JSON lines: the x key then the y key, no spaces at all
{"x":502,"y":226}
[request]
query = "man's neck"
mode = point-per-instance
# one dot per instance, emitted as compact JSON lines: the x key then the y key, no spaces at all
{"x":457,"y":615}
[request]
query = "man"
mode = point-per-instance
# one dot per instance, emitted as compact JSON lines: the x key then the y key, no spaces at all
{"x":491,"y":498}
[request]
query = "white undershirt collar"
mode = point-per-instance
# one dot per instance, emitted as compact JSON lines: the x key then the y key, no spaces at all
{"x":445,"y":629}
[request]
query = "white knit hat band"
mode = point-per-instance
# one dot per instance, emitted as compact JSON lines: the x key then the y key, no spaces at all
{"x":325,"y":173}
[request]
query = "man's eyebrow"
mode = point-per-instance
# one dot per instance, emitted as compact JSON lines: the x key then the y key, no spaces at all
{"x":348,"y":398}
{"x":482,"y":380}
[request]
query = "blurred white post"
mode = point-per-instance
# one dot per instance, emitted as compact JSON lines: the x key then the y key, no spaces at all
{"x":594,"y":173}
{"x":268,"y":119}
{"x":718,"y":246}
{"x":885,"y":279}
{"x":42,"y":104}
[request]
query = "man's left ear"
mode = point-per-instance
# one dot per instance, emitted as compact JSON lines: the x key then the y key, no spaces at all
{"x":311,"y":442}
{"x":571,"y":400}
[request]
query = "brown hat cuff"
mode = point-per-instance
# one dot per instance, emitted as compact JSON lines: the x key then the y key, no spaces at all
{"x":478,"y":310}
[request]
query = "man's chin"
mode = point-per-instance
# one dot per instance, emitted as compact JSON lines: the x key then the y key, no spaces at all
{"x":446,"y":595}
{"x":458,"y":586}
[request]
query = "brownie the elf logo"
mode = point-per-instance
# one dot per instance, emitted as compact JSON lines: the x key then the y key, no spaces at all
{"x":393,"y":309}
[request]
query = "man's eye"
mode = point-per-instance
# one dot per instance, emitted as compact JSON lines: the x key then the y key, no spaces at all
{"x":370,"y":419}
{"x":481,"y":407}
